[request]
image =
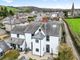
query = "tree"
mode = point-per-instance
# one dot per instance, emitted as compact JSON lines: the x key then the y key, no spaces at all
{"x":5,"y":11}
{"x":65,"y":13}
{"x":11,"y":13}
{"x":30,"y":19}
{"x":1,"y":8}
{"x":1,"y":11}
{"x":28,"y":10}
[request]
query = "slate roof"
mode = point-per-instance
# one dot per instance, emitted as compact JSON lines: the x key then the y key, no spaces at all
{"x":12,"y":20}
{"x":16,"y":41}
{"x":32,"y":27}
{"x":4,"y":46}
{"x":18,"y":30}
{"x":2,"y":32}
{"x":51,"y":28}
{"x":39,"y":36}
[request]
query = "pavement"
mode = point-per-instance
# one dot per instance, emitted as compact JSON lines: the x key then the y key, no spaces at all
{"x":70,"y":42}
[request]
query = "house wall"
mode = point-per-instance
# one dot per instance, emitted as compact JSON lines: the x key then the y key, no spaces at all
{"x":14,"y":35}
{"x":54,"y":44}
{"x":20,"y":36}
{"x":40,"y":45}
{"x":28,"y":40}
{"x":23,"y":46}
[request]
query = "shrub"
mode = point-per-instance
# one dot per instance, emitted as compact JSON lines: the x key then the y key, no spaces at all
{"x":11,"y":55}
{"x":66,"y":53}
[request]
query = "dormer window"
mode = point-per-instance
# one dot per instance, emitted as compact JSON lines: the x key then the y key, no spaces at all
{"x":47,"y":38}
{"x":32,"y":34}
{"x":37,"y":50}
{"x":37,"y":41}
{"x":54,"y":26}
{"x":18,"y":35}
{"x":39,"y":29}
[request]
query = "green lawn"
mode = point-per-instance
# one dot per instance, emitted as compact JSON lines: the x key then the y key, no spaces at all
{"x":11,"y":8}
{"x":74,"y":24}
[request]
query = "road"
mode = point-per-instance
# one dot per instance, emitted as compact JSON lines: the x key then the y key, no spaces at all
{"x":70,"y":42}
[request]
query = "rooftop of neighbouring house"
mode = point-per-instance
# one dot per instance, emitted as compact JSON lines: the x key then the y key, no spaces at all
{"x":14,"y":20}
{"x":4,"y":46}
{"x":16,"y":41}
{"x":2,"y":32}
{"x":18,"y":30}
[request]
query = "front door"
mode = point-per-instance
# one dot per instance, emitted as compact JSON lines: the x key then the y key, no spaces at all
{"x":47,"y":48}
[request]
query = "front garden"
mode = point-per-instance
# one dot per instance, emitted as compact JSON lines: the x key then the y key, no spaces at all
{"x":10,"y":55}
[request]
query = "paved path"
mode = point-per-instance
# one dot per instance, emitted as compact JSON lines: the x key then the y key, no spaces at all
{"x":28,"y":55}
{"x":23,"y":54}
{"x":70,"y":42}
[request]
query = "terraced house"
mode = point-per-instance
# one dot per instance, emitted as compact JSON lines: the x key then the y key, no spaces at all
{"x":38,"y":37}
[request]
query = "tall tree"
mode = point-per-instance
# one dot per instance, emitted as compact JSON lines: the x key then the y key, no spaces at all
{"x":28,"y":10}
{"x":65,"y":13}
{"x":1,"y":8}
{"x":1,"y":11}
{"x":11,"y":13}
{"x":5,"y":13}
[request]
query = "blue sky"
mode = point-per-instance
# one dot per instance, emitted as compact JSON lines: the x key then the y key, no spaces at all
{"x":42,"y":3}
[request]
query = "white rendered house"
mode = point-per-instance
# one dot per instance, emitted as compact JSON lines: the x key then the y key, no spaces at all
{"x":40,"y":37}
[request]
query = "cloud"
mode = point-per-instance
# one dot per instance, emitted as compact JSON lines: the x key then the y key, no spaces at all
{"x":8,"y":1}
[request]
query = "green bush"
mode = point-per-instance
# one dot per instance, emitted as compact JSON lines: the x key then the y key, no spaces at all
{"x":11,"y":55}
{"x":31,"y":59}
{"x":66,"y":53}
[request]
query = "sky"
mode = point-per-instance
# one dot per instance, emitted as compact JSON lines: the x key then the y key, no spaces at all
{"x":65,"y":4}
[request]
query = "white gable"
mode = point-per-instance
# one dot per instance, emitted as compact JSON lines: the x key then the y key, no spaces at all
{"x":41,"y":31}
{"x":1,"y":50}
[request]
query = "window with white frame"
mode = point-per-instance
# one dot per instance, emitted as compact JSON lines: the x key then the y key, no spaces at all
{"x":37,"y":41}
{"x":37,"y":50}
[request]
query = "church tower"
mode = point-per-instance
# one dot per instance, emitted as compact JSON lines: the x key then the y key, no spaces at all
{"x":72,"y":10}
